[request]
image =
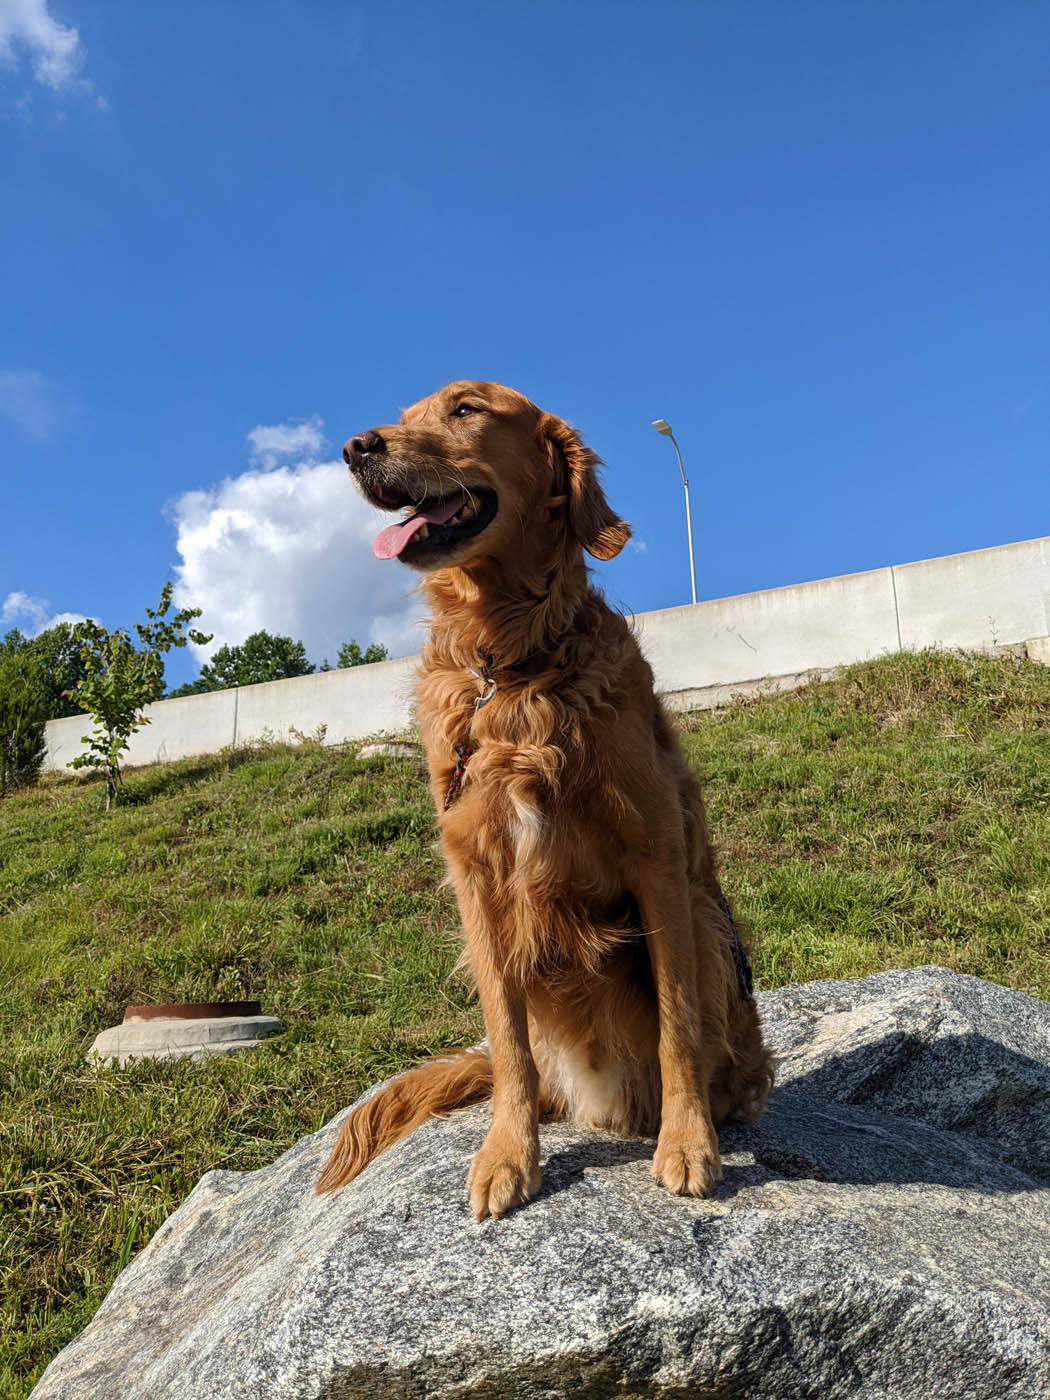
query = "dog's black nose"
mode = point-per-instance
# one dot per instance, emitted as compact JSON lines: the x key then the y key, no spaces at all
{"x":368,"y":444}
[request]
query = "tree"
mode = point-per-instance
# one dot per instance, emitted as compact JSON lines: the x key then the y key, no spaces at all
{"x":350,"y":654}
{"x":23,"y":715}
{"x":260,"y":657}
{"x":61,"y":667}
{"x":121,"y":680}
{"x":35,"y":675}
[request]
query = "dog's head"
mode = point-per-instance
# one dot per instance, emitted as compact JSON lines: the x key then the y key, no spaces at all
{"x":474,"y":469}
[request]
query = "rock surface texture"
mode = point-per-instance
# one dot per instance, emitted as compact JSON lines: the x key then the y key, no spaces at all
{"x":882,"y":1234}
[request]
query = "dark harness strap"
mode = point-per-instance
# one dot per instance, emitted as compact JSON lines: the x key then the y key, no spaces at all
{"x":744,"y":980}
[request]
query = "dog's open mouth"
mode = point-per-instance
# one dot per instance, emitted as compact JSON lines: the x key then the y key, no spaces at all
{"x":436,"y":524}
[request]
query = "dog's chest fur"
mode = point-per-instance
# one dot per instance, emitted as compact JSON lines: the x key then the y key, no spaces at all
{"x":523,"y":799}
{"x":532,"y":827}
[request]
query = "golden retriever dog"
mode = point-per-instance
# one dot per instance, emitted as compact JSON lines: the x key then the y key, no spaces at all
{"x":611,"y":976}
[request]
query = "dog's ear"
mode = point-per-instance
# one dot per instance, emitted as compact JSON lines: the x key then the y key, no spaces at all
{"x":597,"y":527}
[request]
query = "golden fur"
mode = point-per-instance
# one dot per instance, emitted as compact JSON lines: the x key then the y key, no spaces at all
{"x":577,"y":843}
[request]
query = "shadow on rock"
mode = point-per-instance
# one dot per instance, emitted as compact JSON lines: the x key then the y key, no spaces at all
{"x":992,"y":1101}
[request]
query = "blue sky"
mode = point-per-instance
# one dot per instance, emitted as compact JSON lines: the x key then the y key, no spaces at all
{"x":813,"y":236}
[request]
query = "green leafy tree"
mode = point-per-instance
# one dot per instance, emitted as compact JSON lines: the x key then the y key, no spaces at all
{"x":61,"y":666}
{"x":260,"y":657}
{"x":23,"y":715}
{"x":122,"y":679}
{"x":350,"y":654}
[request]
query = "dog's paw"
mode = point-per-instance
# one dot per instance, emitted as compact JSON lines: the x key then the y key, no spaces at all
{"x":686,"y":1159}
{"x":501,"y":1176}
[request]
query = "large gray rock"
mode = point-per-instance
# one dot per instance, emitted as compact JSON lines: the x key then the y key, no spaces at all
{"x":882,"y":1234}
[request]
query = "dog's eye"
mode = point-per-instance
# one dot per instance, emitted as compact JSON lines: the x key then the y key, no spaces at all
{"x":463,"y":410}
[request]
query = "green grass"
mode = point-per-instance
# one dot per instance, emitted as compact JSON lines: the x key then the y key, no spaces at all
{"x":897,"y":815}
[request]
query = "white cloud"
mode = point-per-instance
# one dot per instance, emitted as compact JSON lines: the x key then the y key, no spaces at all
{"x":32,"y":615}
{"x":54,"y":50}
{"x":287,"y":442}
{"x":27,"y":399}
{"x":288,"y":549}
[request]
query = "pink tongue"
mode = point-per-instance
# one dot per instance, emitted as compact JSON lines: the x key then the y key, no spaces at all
{"x":389,"y":543}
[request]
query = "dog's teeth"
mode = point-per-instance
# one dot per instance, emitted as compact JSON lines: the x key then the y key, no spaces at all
{"x":424,"y":533}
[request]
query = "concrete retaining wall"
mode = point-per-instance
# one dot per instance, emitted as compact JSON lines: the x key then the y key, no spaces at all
{"x":781,"y":632}
{"x":990,"y":597}
{"x":700,"y":654}
{"x":351,"y":704}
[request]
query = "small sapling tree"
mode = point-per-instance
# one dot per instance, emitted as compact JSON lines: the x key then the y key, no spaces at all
{"x":122,"y":679}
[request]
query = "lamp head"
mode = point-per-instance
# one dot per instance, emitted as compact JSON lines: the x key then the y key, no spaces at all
{"x":662,"y":427}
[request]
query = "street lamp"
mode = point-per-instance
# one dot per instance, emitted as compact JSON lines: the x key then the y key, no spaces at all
{"x":664,"y":429}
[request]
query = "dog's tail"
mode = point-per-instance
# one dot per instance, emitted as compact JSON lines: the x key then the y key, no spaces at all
{"x":426,"y":1092}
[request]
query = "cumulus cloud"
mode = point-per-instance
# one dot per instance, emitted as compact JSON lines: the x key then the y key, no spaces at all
{"x":32,"y":615}
{"x":286,"y":547}
{"x":287,"y":442}
{"x":27,"y":399}
{"x":54,"y":50}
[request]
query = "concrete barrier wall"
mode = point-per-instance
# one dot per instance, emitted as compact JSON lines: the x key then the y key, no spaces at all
{"x":990,"y":597}
{"x":350,"y":703}
{"x":776,"y":633}
{"x":700,"y":653}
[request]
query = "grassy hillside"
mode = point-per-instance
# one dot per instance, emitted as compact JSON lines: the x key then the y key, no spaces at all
{"x":897,"y":815}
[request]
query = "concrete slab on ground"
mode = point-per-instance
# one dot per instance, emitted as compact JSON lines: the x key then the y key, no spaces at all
{"x":172,"y":1039}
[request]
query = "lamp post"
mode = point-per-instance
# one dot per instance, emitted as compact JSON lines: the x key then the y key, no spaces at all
{"x":664,"y":429}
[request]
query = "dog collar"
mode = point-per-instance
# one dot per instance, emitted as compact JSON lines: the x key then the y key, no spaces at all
{"x":488,"y":687}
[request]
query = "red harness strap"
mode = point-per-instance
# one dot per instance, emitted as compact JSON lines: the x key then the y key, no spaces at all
{"x":463,"y":753}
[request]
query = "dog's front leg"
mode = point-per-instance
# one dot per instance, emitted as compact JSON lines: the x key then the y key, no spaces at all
{"x":506,"y":1171}
{"x":686,"y":1160}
